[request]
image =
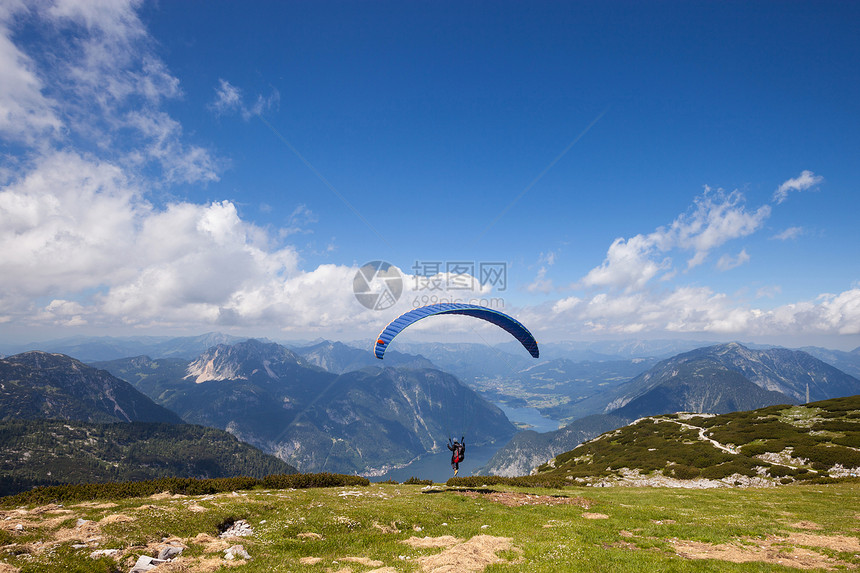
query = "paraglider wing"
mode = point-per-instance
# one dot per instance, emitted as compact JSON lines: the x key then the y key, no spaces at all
{"x":500,"y":319}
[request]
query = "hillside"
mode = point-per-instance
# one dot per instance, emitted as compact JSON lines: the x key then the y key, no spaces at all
{"x":768,"y":446}
{"x":364,"y":421}
{"x":38,"y":385}
{"x":48,"y":452}
{"x":716,"y":379}
{"x":529,"y":449}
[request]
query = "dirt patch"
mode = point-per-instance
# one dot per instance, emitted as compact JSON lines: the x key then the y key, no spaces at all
{"x":587,"y":515}
{"x":116,"y":518}
{"x":805,"y":525}
{"x":363,"y":561}
{"x":197,"y":565}
{"x":50,"y":508}
{"x":210,"y":544}
{"x":108,"y":505}
{"x":309,"y":535}
{"x":6,"y":568}
{"x":790,"y":551}
{"x":473,"y":555}
{"x":310,"y":560}
{"x":197,"y":508}
{"x":834,"y":542}
{"x":514,"y":499}
{"x":386,"y":528}
{"x":443,"y":541}
{"x":86,"y":531}
{"x":148,"y":506}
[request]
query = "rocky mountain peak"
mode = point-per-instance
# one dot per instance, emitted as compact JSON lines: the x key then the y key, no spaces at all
{"x":241,"y":361}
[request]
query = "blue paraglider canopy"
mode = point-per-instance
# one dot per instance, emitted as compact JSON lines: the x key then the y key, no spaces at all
{"x":500,"y":319}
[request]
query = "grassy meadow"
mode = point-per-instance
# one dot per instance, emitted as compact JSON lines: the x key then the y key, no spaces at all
{"x":387,"y":528}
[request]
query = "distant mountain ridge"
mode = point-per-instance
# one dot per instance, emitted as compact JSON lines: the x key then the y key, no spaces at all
{"x":716,"y":379}
{"x":364,"y":421}
{"x":339,"y":358}
{"x":101,"y":348}
{"x":789,"y":372}
{"x":38,"y":385}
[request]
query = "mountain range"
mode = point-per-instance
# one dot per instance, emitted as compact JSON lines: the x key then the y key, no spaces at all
{"x":62,"y":421}
{"x":366,"y":421}
{"x":716,"y":379}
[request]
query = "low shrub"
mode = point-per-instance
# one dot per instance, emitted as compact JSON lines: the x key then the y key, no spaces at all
{"x":185,"y":486}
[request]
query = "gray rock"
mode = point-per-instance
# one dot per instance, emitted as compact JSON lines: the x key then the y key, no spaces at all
{"x":169,"y":552}
{"x":236,"y":552}
{"x":240,"y":528}
{"x":146,"y":563}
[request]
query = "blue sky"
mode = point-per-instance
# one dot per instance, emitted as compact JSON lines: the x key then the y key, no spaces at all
{"x":661,"y":169}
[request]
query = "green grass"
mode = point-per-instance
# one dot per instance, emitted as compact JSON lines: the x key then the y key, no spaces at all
{"x":639,"y":534}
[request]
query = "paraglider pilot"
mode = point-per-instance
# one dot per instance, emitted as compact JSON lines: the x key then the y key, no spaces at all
{"x":458,"y":452}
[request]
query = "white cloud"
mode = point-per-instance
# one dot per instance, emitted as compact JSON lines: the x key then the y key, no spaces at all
{"x":715,"y":218}
{"x":802,"y":182}
{"x":789,"y":233}
{"x":229,"y":99}
{"x":700,"y":310}
{"x":25,"y":113}
{"x":91,"y":69}
{"x":728,"y":262}
{"x":541,"y":283}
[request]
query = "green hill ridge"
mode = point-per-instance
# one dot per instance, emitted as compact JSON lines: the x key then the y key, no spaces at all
{"x":776,"y":445}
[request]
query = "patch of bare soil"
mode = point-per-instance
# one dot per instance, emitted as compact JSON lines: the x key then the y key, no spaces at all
{"x":514,"y":499}
{"x":210,"y":544}
{"x":86,"y":531}
{"x":790,"y":551}
{"x":197,"y":565}
{"x":385,"y":528}
{"x":362,"y":561}
{"x":50,"y":508}
{"x":116,"y":518}
{"x":443,"y":541}
{"x":473,"y":555}
{"x":835,"y":542}
{"x":587,"y":515}
{"x":309,"y":535}
{"x":6,"y":568}
{"x":806,"y":525}
{"x":310,"y":560}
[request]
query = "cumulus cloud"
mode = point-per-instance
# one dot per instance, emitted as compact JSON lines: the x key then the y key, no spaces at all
{"x":788,"y":234}
{"x":91,"y":69}
{"x":728,"y":262}
{"x":25,"y":113}
{"x":701,"y":310}
{"x":802,"y":182}
{"x":541,"y":283}
{"x":715,"y":218}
